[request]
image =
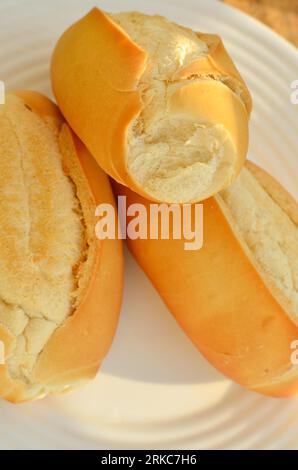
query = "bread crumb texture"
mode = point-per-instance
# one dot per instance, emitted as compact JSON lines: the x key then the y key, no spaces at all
{"x":173,"y":154}
{"x":269,"y":233}
{"x":43,"y":242}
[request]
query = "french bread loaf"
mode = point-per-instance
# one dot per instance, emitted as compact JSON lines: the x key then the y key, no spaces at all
{"x":162,"y":108}
{"x":60,"y":287}
{"x":237,"y":297}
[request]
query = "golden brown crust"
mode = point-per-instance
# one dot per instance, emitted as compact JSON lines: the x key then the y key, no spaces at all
{"x":208,"y":99}
{"x":223,"y":303}
{"x":219,"y":63}
{"x":8,"y":388}
{"x":96,"y":68}
{"x":94,"y":332}
{"x":80,"y":63}
{"x":77,"y":347}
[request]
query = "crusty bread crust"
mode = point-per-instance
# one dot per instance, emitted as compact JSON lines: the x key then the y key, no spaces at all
{"x":75,"y":350}
{"x":107,"y":97}
{"x":221,"y":300}
{"x":275,"y":190}
{"x":97,"y":73}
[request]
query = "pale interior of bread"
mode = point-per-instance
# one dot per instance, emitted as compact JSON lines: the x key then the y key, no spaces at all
{"x":44,"y":244}
{"x":172,"y":155}
{"x":269,"y":233}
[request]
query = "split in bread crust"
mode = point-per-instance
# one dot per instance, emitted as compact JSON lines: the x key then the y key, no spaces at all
{"x":269,"y":233}
{"x":49,"y":253}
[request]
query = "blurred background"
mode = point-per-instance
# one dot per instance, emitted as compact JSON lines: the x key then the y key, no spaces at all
{"x":280,"y":15}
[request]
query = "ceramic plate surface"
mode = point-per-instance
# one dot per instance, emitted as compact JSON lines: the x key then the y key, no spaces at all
{"x":154,"y":389}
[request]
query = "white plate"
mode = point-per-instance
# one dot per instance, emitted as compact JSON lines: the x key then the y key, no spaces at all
{"x":154,"y":390}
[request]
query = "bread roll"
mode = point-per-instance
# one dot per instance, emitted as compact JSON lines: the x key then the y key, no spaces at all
{"x":60,"y":287}
{"x":162,"y":108}
{"x":237,"y":297}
